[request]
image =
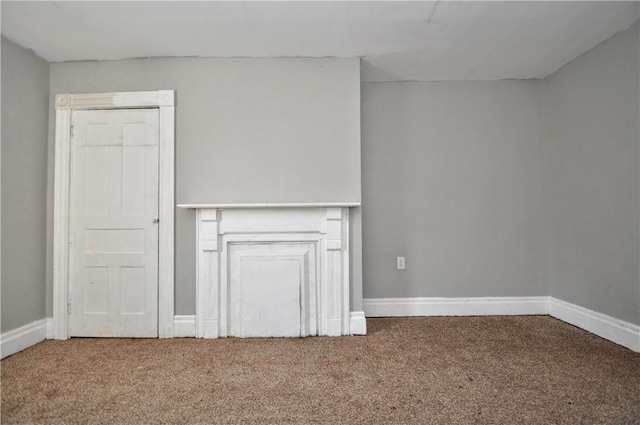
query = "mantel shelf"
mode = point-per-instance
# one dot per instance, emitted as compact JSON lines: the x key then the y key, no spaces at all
{"x":272,"y":205}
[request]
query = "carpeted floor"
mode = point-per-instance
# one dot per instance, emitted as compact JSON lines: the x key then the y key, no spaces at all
{"x":456,"y":370}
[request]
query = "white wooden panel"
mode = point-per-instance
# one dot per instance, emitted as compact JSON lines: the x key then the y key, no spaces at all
{"x":209,"y":325}
{"x":247,"y":260}
{"x":116,"y":184}
{"x":334,"y":213}
{"x":135,"y":134}
{"x":65,"y":185}
{"x":270,"y":298}
{"x":334,"y":284}
{"x":267,"y":286}
{"x":272,"y":220}
{"x":207,"y":298}
{"x":96,"y":176}
{"x":209,"y":229}
{"x":98,"y":134}
{"x":132,"y":290}
{"x":280,"y":205}
{"x":114,"y":241}
{"x":96,"y":290}
{"x":166,"y":159}
{"x":61,"y":229}
{"x":134,"y":170}
{"x":345,"y":282}
{"x":334,"y":244}
{"x":208,"y":215}
{"x":116,"y":100}
{"x":114,"y":201}
{"x":334,"y":229}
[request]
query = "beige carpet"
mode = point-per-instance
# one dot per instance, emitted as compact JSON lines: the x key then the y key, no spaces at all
{"x":465,"y":370}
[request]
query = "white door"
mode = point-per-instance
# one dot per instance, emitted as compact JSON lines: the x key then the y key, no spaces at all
{"x":114,"y":228}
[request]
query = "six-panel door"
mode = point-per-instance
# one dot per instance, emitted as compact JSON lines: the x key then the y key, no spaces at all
{"x":114,"y":227}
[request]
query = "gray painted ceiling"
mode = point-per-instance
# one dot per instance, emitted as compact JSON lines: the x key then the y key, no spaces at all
{"x":422,"y":41}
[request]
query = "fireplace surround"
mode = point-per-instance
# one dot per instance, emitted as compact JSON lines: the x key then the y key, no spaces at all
{"x":274,"y":270}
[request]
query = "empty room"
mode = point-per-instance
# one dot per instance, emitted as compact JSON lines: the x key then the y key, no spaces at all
{"x":340,"y":212}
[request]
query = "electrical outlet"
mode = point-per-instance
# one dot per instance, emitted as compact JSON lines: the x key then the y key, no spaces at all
{"x":400,"y":264}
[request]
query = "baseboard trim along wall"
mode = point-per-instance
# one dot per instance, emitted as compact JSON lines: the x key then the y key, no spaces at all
{"x":184,"y":326}
{"x":50,"y":330}
{"x":358,"y":323}
{"x":477,"y":306}
{"x":615,"y":330}
{"x":24,"y":337}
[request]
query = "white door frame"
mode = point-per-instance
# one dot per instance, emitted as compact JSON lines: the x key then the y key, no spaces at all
{"x":65,"y":104}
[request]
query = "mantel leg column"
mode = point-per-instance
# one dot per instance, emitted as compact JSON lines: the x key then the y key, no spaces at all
{"x":336,"y":295}
{"x":207,"y":288}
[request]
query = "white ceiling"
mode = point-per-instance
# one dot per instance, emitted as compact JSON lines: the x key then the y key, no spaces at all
{"x":422,"y":41}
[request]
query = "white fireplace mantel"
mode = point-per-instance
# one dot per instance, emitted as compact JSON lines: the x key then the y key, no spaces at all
{"x":272,"y":205}
{"x":274,"y":270}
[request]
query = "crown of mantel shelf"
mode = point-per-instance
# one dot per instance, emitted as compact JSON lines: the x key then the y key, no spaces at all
{"x":272,"y":205}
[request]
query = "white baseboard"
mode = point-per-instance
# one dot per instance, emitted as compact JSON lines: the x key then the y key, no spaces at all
{"x":24,"y":337}
{"x":477,"y":306}
{"x":610,"y":328}
{"x":50,"y":330}
{"x":358,"y":323}
{"x":184,"y":326}
{"x":615,"y":330}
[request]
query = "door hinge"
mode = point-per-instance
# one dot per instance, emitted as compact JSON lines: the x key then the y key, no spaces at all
{"x":69,"y":307}
{"x":72,"y":131}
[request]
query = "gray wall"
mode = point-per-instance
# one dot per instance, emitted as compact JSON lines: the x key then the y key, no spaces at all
{"x":592,"y":178}
{"x":25,"y":93}
{"x":452,"y":179}
{"x":469,"y":180}
{"x":247,"y":130}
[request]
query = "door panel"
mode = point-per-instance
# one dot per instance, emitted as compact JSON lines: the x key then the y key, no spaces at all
{"x":114,"y":237}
